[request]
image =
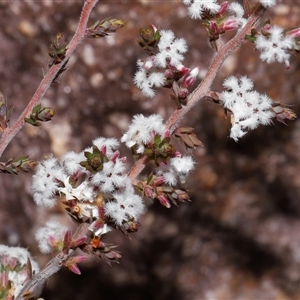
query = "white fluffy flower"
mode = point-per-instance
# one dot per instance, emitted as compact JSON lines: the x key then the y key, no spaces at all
{"x":170,"y":49}
{"x":146,"y":81}
{"x":53,"y":229}
{"x":182,"y":164}
{"x":249,"y":108}
{"x":46,"y":181}
{"x":178,"y":168}
{"x":142,"y":131}
{"x":267,"y":3}
{"x":197,"y":7}
{"x":111,"y":144}
{"x":275,"y":46}
{"x":126,"y":205}
{"x":110,"y":177}
{"x":71,"y":162}
{"x":239,"y":12}
{"x":16,"y":271}
{"x":170,"y":52}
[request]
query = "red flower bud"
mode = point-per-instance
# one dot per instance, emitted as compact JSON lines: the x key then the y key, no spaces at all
{"x":164,"y":201}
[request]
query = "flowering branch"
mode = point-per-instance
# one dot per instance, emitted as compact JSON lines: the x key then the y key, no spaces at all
{"x":93,"y":185}
{"x":203,"y":88}
{"x":51,"y":75}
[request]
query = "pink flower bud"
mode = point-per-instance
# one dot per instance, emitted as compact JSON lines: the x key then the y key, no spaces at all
{"x":154,"y":27}
{"x":169,"y":74}
{"x":177,"y":154}
{"x":149,"y":63}
{"x":52,"y":241}
{"x":213,"y":27}
{"x":164,"y":201}
{"x":230,"y":24}
{"x":81,"y":240}
{"x":104,"y":150}
{"x":294,"y":32}
{"x":267,"y":27}
{"x":4,"y":279}
{"x":183,"y":93}
{"x":123,"y":159}
{"x":71,"y":264}
{"x":184,"y":70}
{"x":159,"y":180}
{"x":115,"y":156}
{"x":148,"y":192}
{"x":223,"y":7}
{"x":166,"y":134}
{"x":191,"y":77}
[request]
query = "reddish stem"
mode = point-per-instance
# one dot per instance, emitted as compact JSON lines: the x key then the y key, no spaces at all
{"x":10,"y":132}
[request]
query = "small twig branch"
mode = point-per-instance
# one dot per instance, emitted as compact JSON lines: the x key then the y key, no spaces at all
{"x":204,"y":86}
{"x":35,"y":285}
{"x":217,"y":62}
{"x":10,"y":132}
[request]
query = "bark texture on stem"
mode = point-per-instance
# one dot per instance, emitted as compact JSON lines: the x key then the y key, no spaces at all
{"x":35,"y":285}
{"x":10,"y":132}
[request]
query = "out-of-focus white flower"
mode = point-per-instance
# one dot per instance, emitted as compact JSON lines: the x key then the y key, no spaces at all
{"x":53,"y":231}
{"x":182,"y":165}
{"x":178,"y":168}
{"x":197,"y":7}
{"x":267,"y":3}
{"x":13,"y":266}
{"x":239,"y":12}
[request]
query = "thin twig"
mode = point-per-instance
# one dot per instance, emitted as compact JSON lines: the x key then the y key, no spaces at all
{"x":34,"y":286}
{"x":9,"y":133}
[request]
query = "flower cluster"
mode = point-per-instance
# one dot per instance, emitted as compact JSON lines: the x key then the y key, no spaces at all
{"x":178,"y":168}
{"x":217,"y":18}
{"x":167,"y":54}
{"x":148,"y":136}
{"x":275,"y":45}
{"x":163,"y":185}
{"x":248,"y":107}
{"x":142,"y":130}
{"x":14,"y":270}
{"x":92,"y":185}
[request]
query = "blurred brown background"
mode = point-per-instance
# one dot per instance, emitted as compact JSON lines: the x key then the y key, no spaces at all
{"x":239,"y":238}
